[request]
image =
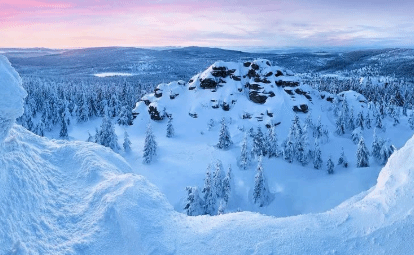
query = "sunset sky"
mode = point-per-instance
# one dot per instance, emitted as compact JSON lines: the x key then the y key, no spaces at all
{"x":78,"y":23}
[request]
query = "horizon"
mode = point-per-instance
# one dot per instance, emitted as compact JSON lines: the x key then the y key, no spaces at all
{"x":178,"y":23}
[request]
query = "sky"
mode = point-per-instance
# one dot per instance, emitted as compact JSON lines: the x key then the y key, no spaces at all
{"x":223,"y":23}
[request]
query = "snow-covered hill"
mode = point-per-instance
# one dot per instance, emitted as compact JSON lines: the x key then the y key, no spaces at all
{"x":60,"y":197}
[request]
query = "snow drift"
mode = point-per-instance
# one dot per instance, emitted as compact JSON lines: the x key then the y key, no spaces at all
{"x":59,"y":197}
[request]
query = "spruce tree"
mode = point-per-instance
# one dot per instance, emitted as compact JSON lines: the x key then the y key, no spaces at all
{"x":378,"y":121}
{"x":224,"y":137}
{"x":194,"y":204}
{"x":127,"y":143}
{"x":260,"y":191}
{"x":330,"y":166}
{"x":288,"y":149}
{"x":273,"y":150}
{"x":385,"y":152}
{"x":340,"y":125}
{"x":64,"y":129}
{"x":208,"y":194}
{"x":227,"y":185}
{"x":170,"y":128}
{"x":318,"y":132}
{"x":368,"y":120}
{"x":218,"y":176}
{"x":244,"y":161}
{"x":125,"y":116}
{"x":351,"y":120}
{"x":317,"y":158}
{"x":150,"y":146}
{"x":376,"y":146}
{"x":106,"y":135}
{"x":411,"y":119}
{"x":342,"y":159}
{"x":258,"y":143}
{"x":360,"y":121}
{"x":356,"y":135}
{"x":362,"y":154}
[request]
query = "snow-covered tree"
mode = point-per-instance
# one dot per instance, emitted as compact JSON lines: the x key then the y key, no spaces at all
{"x":362,"y":154}
{"x":210,"y":124}
{"x":194,"y":204}
{"x":340,"y":124}
{"x":127,"y":143}
{"x":330,"y":166}
{"x":356,"y":135}
{"x":106,"y":135}
{"x":208,"y":194}
{"x":368,"y":120}
{"x":317,"y":158}
{"x":170,"y":129}
{"x":288,"y":148}
{"x":273,"y":149}
{"x":227,"y":185}
{"x":376,"y":146}
{"x":244,"y":160}
{"x":318,"y":132}
{"x":261,"y":190}
{"x":218,"y":176}
{"x":90,"y":139}
{"x":83,"y":110}
{"x":378,"y":121}
{"x":342,"y":159}
{"x":411,"y":119}
{"x":63,"y":130}
{"x":259,"y":148}
{"x":360,"y":121}
{"x":150,"y":146}
{"x":351,"y":120}
{"x":125,"y":116}
{"x":224,"y":137}
{"x":385,"y":152}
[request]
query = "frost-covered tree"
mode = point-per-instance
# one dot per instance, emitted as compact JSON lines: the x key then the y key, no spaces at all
{"x":106,"y":135}
{"x":150,"y":146}
{"x":359,"y":123}
{"x":218,"y":176}
{"x":259,"y":148}
{"x":340,"y":125}
{"x":273,"y":150}
{"x":411,"y":119}
{"x":362,"y":154}
{"x":376,"y":146}
{"x":317,"y":158}
{"x":345,"y":112}
{"x":368,"y":120}
{"x":127,"y":143}
{"x":330,"y":166}
{"x":125,"y":116}
{"x":83,"y":110}
{"x":318,"y":132}
{"x":194,"y":204}
{"x":260,"y":191}
{"x":356,"y":135}
{"x":210,"y":124}
{"x":224,"y":137}
{"x":378,"y":121}
{"x":170,"y":129}
{"x":227,"y":185}
{"x":244,"y":160}
{"x":90,"y":139}
{"x":396,"y":116}
{"x":208,"y":194}
{"x":63,"y":130}
{"x":351,"y":120}
{"x":342,"y":159}
{"x":288,"y":148}
{"x":385,"y":152}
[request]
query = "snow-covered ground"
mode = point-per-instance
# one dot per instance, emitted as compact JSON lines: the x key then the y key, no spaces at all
{"x":110,"y":74}
{"x":70,"y":197}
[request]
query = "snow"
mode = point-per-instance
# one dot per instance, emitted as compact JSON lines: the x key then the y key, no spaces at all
{"x":110,"y":74}
{"x":71,"y":197}
{"x":12,"y":95}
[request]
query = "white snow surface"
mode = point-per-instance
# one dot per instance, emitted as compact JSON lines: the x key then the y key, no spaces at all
{"x":66,"y":197}
{"x":11,"y":96}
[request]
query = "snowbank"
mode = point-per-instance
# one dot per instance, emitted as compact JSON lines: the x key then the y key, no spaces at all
{"x":11,"y":97}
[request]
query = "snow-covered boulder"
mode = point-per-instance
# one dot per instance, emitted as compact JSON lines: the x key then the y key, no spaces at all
{"x":12,"y":95}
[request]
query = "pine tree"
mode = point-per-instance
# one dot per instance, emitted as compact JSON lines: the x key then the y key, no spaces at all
{"x":170,"y":128}
{"x":194,"y":204}
{"x":356,"y":135}
{"x":368,"y":120}
{"x":360,"y":121}
{"x":125,"y":116}
{"x":150,"y":146}
{"x":127,"y":143}
{"x":342,"y":159}
{"x":378,"y":121}
{"x":351,"y":120}
{"x":362,"y":154}
{"x":340,"y":125}
{"x":224,"y":137}
{"x":330,"y":166}
{"x":288,"y":149}
{"x":317,"y":159}
{"x":318,"y":132}
{"x":83,"y":110}
{"x":376,"y":146}
{"x":64,"y":129}
{"x":244,"y":154}
{"x":227,"y":185}
{"x":208,"y":194}
{"x":258,"y":143}
{"x":411,"y":119}
{"x":345,"y":112}
{"x":273,"y":150}
{"x":385,"y":152}
{"x":260,"y":191}
{"x":218,"y":176}
{"x":106,"y":135}
{"x":396,"y":116}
